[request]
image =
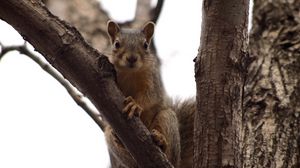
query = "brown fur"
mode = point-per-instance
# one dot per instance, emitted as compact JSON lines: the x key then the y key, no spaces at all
{"x":138,"y":77}
{"x":185,"y":113}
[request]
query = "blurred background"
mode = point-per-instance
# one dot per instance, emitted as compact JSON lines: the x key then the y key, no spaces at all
{"x":41,"y":126}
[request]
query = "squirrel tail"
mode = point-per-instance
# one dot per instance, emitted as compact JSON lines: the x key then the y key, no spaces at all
{"x":185,"y":113}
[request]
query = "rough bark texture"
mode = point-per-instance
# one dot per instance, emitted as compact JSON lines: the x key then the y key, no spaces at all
{"x":272,"y":101}
{"x":219,"y":81}
{"x":87,"y":16}
{"x":66,"y":50}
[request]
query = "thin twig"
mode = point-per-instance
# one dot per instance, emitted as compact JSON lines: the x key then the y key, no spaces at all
{"x":77,"y":97}
{"x":6,"y":49}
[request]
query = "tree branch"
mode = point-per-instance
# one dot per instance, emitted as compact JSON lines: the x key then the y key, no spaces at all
{"x":76,"y":96}
{"x":67,"y":51}
{"x":142,"y":12}
{"x":155,"y":12}
{"x":219,"y":80}
{"x":145,"y":12}
{"x":5,"y":50}
{"x":87,"y":16}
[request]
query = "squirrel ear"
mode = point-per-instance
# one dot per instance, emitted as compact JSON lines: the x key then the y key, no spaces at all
{"x":148,"y":30}
{"x":112,"y":29}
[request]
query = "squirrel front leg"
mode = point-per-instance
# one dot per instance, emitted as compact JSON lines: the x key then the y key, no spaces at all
{"x":132,"y":108}
{"x":159,"y":139}
{"x":165,"y":134}
{"x":164,"y":128}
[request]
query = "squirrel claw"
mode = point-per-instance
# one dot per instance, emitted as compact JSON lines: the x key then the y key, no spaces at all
{"x":131,"y":107}
{"x":159,"y":139}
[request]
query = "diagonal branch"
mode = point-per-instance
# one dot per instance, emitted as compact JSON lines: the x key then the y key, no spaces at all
{"x":155,"y":12}
{"x":77,"y":97}
{"x":65,"y":49}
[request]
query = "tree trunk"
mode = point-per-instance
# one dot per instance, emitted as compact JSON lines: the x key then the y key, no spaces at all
{"x":272,"y":92}
{"x":219,"y":79}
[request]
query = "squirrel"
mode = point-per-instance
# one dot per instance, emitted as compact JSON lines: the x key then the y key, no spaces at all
{"x":138,"y":77}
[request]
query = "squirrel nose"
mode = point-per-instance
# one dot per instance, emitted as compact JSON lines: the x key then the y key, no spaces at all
{"x":131,"y":59}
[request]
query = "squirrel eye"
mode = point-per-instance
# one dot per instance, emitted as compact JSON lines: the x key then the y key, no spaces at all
{"x":146,"y":45}
{"x":117,"y":45}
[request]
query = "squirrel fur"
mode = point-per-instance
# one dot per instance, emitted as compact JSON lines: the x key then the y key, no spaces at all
{"x":138,"y":77}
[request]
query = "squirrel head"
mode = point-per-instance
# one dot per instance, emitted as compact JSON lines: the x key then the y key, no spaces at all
{"x":130,"y":47}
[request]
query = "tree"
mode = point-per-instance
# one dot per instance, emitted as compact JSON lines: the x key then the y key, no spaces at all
{"x":248,"y":103}
{"x":219,"y":76}
{"x":271,"y":102}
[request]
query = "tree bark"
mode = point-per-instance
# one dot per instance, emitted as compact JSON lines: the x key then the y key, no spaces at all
{"x":219,"y":79}
{"x":67,"y":51}
{"x":272,"y":101}
{"x":87,"y":16}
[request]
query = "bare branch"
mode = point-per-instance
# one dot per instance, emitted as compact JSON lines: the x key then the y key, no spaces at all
{"x":145,"y":12}
{"x":76,"y":96}
{"x":142,"y":12}
{"x":5,"y":50}
{"x":87,"y":16}
{"x":67,"y":51}
{"x":155,"y":12}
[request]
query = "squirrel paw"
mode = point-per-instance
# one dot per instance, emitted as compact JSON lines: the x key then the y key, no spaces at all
{"x":159,"y":139}
{"x":131,"y":107}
